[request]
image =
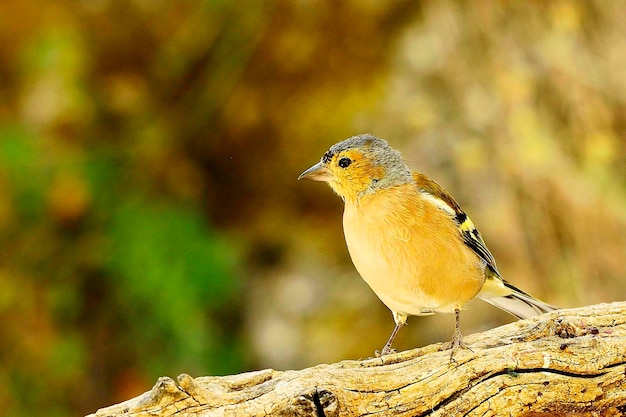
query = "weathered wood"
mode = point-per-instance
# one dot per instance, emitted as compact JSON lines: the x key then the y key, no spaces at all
{"x":569,"y":362}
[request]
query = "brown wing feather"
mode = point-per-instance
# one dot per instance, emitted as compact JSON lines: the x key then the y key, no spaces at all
{"x":470,"y":235}
{"x":499,"y":292}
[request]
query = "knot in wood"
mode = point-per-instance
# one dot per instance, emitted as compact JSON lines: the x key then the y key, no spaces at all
{"x":317,"y":403}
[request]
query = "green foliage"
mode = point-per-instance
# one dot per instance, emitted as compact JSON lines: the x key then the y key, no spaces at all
{"x":171,"y":273}
{"x":97,"y":279}
{"x":21,"y":160}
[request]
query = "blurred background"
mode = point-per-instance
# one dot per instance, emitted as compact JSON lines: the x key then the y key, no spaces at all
{"x":150,"y":218}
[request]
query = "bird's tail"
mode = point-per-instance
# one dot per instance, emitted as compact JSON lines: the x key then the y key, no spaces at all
{"x":506,"y":297}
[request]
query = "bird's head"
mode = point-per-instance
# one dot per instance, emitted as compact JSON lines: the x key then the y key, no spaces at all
{"x":359,"y":165}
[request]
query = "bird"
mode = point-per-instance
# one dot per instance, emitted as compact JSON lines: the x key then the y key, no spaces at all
{"x":409,"y":239}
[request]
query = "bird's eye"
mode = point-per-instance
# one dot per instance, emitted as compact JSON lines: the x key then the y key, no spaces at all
{"x":345,"y":162}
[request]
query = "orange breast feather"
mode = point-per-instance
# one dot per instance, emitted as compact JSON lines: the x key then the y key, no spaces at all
{"x":410,"y":252}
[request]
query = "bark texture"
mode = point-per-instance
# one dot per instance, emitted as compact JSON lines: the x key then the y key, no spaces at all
{"x":569,"y":362}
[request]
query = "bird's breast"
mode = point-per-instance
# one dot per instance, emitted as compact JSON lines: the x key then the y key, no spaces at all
{"x":410,"y":252}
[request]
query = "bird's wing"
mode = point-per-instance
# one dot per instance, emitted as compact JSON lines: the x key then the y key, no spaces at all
{"x":470,"y":235}
{"x":495,"y":290}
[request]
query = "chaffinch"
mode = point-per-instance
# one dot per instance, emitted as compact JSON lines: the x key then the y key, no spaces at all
{"x":409,"y":239}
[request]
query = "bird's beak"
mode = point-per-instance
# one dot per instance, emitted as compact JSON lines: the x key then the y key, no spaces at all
{"x":318,"y":172}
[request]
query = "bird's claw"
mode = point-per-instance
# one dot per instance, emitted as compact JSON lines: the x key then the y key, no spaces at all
{"x":456,"y":343}
{"x":387,"y":350}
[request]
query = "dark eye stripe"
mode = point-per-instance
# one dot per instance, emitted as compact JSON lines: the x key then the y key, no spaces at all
{"x":327,"y":157}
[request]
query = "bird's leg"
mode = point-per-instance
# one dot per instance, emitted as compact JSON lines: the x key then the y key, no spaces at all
{"x":387,"y":348}
{"x":400,"y":320}
{"x":457,"y":337}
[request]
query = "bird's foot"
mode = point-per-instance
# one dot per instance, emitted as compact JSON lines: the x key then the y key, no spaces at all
{"x":387,"y":350}
{"x":456,"y":343}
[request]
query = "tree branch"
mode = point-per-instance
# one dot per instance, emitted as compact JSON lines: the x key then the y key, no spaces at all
{"x":568,"y":362}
